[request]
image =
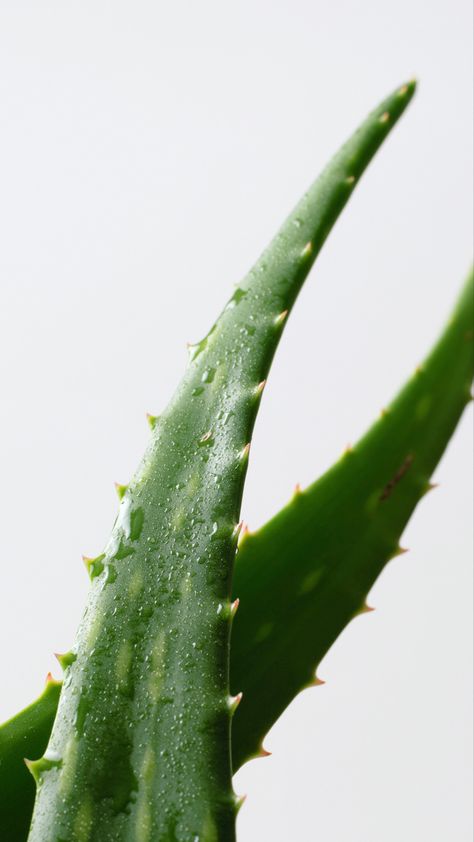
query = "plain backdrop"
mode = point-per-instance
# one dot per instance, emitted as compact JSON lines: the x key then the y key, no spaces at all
{"x":149,"y":150}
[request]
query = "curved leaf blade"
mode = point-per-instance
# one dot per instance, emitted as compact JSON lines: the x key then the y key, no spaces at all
{"x":303,"y":576}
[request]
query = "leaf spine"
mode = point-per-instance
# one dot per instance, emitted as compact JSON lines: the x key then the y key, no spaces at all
{"x":65,"y":660}
{"x":152,"y":420}
{"x":365,"y":609}
{"x":238,"y":801}
{"x":281,"y":318}
{"x":233,"y":702}
{"x":236,"y":531}
{"x":94,"y":566}
{"x":32,"y":767}
{"x":243,"y":534}
{"x":244,"y":454}
{"x":429,"y":486}
{"x":399,"y":551}
{"x":121,"y":490}
{"x":44,"y":764}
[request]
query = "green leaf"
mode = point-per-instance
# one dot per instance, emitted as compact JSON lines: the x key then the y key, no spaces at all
{"x":306,"y":573}
{"x":25,"y":735}
{"x":141,"y":740}
{"x":280,"y":567}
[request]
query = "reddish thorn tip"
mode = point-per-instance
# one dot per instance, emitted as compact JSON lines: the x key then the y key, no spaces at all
{"x":234,"y":702}
{"x":281,"y":317}
{"x":365,"y":609}
{"x":237,"y":530}
{"x":244,"y":533}
{"x":120,"y":489}
{"x":234,"y":605}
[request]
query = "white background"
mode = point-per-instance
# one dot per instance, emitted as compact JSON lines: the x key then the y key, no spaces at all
{"x":148,"y":152}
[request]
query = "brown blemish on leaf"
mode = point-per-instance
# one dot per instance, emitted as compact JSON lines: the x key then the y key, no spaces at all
{"x":396,"y":478}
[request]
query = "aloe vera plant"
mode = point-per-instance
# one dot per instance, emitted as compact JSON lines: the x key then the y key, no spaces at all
{"x":147,"y":680}
{"x":302,"y":560}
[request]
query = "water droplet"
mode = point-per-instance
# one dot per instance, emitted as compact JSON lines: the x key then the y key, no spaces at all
{"x":52,"y":755}
{"x":208,"y":375}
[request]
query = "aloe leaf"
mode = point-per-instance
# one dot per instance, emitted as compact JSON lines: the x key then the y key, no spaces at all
{"x":141,"y":742}
{"x":295,"y":569}
{"x":303,"y":576}
{"x":25,"y":735}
